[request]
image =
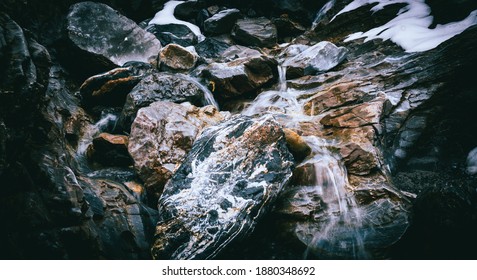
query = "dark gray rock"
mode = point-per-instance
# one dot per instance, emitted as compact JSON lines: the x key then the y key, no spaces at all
{"x":221,"y":22}
{"x":110,"y":88}
{"x":241,"y":76}
{"x":259,"y":32}
{"x":211,"y":48}
{"x":287,"y":27}
{"x":173,"y":33}
{"x":106,"y":37}
{"x":161,"y":87}
{"x":235,"y":170}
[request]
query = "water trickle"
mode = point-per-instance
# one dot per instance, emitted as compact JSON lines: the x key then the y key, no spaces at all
{"x":107,"y":121}
{"x":338,"y":234}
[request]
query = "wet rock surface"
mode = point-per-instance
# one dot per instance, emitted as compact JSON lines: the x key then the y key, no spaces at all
{"x":381,"y":140}
{"x":246,"y":176}
{"x":161,"y":136}
{"x":105,"y":37}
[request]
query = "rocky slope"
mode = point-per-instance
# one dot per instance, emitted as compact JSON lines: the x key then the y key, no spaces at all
{"x":257,"y":130}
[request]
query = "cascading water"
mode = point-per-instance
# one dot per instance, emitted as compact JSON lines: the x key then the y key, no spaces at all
{"x":336,"y":231}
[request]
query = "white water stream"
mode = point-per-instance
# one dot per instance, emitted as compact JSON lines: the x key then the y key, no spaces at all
{"x":336,"y":231}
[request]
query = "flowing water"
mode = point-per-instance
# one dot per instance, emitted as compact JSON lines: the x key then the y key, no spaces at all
{"x":335,"y":230}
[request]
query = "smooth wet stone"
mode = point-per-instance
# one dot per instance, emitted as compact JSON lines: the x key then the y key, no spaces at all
{"x":221,"y":22}
{"x":173,"y":34}
{"x":175,"y":88}
{"x":161,"y":136}
{"x":107,"y":37}
{"x":258,"y":32}
{"x":315,"y":59}
{"x":296,"y":144}
{"x":241,"y":76}
{"x":175,"y":57}
{"x":211,"y":48}
{"x":235,"y":171}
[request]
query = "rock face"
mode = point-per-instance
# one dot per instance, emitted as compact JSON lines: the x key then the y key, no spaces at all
{"x":221,"y":22}
{"x":240,"y":76}
{"x":318,"y":58}
{"x":161,"y":87}
{"x":161,"y":136}
{"x":175,"y":57}
{"x":235,"y":171}
{"x":173,"y":34}
{"x":260,"y":32}
{"x":106,"y":37}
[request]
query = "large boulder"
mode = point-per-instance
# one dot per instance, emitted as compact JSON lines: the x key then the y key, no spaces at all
{"x":318,"y":58}
{"x":259,"y":32}
{"x":227,"y":182}
{"x":103,"y":37}
{"x":175,"y":88}
{"x":221,"y":22}
{"x":241,"y":76}
{"x":162,"y":135}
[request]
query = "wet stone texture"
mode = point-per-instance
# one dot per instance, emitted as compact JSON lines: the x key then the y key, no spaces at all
{"x":227,"y":182}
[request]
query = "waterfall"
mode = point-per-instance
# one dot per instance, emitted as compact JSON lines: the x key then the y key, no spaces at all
{"x":335,"y":230}
{"x":338,"y":233}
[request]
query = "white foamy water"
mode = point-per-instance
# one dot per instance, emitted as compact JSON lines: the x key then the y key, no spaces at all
{"x":166,"y":16}
{"x":410,"y":28}
{"x":93,"y":131}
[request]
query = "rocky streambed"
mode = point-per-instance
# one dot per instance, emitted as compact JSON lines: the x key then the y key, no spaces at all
{"x":255,"y":130}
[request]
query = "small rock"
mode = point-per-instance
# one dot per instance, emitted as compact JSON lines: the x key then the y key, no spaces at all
{"x":176,"y":57}
{"x":162,"y":135}
{"x":318,"y":58}
{"x":259,"y":32}
{"x":472,"y":162}
{"x":241,"y":76}
{"x":160,"y":87}
{"x":211,"y":48}
{"x":173,"y":34}
{"x":221,"y":22}
{"x":298,"y":147}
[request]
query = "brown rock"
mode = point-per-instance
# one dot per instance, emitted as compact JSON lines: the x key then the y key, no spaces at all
{"x":178,"y":58}
{"x":297,"y":146}
{"x":355,"y":116}
{"x":110,"y":150}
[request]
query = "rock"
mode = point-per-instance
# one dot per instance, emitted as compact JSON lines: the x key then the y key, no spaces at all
{"x":236,"y":51}
{"x":107,"y":38}
{"x":235,"y":170}
{"x":472,"y":162}
{"x":211,"y":48}
{"x":3,"y":147}
{"x":318,"y":58}
{"x":355,"y":116}
{"x":188,"y":10}
{"x":162,"y":135}
{"x":287,"y":27}
{"x":173,"y":34}
{"x":221,"y":22}
{"x":111,"y":88}
{"x":241,"y":76}
{"x":176,"y":88}
{"x":110,"y":150}
{"x":334,"y":97}
{"x":176,"y":57}
{"x":297,"y":146}
{"x":259,"y":32}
